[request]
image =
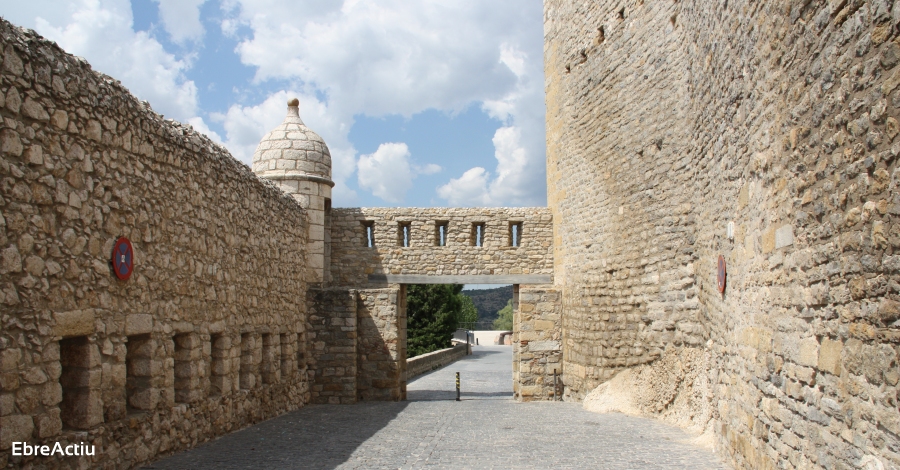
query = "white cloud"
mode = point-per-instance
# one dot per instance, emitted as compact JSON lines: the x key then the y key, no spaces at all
{"x":246,"y":125}
{"x":388,"y":172}
{"x":470,"y":189}
{"x":510,"y":185}
{"x":181,"y":19}
{"x":394,"y":57}
{"x":101,"y":31}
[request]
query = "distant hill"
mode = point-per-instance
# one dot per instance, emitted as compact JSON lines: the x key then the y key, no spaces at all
{"x":489,"y":302}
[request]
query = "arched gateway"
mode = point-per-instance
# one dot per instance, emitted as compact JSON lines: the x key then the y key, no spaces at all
{"x":360,"y":259}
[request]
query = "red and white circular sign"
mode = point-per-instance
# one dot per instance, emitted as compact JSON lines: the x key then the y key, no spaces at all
{"x":123,"y":259}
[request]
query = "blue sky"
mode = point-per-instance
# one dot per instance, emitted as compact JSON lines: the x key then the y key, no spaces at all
{"x":425,"y":103}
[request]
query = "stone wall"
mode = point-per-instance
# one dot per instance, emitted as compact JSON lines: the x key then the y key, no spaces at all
{"x":203,"y":338}
{"x":434,"y":360}
{"x":668,"y":124}
{"x":352,"y":260}
{"x":537,"y":343}
{"x":357,"y":345}
{"x":381,"y":350}
{"x":332,"y":344}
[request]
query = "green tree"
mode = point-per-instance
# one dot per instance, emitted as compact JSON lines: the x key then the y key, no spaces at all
{"x":468,"y":313}
{"x":504,"y":319}
{"x":432,"y":316}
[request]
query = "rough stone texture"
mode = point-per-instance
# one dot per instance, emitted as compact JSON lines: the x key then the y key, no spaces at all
{"x":537,"y":343}
{"x":666,"y":121}
{"x":83,"y":162}
{"x":332,"y":344}
{"x":352,"y":260}
{"x":434,"y":360}
{"x":381,"y":344}
{"x":674,"y":388}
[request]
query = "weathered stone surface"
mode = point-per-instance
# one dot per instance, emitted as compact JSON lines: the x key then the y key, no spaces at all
{"x":15,"y":428}
{"x":666,"y":122}
{"x":83,"y":162}
{"x":138,"y":323}
{"x":74,"y":323}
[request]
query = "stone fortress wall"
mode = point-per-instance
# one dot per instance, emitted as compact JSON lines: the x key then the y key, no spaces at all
{"x":354,"y":262}
{"x":761,"y":131}
{"x":208,"y":334}
{"x":668,"y":121}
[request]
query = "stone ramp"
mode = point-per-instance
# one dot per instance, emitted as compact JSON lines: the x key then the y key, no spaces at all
{"x":485,"y":374}
{"x":487,"y":429}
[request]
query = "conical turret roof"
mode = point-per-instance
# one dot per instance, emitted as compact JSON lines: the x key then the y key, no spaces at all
{"x":292,"y":151}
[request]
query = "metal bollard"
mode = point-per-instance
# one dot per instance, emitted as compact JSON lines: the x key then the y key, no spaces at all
{"x":457,"y":386}
{"x":555,"y":387}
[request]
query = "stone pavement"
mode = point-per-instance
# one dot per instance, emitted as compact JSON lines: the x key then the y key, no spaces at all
{"x":485,"y":430}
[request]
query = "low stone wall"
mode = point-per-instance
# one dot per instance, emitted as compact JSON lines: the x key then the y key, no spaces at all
{"x":433,"y":360}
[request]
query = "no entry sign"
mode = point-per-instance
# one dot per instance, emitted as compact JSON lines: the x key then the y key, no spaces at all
{"x":123,"y":259}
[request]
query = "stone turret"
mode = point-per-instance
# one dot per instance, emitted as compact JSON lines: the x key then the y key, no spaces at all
{"x":297,"y":160}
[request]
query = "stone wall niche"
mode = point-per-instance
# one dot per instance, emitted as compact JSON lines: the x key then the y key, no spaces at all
{"x":81,"y":406}
{"x":250,"y":359}
{"x":288,"y":359}
{"x":220,"y":365}
{"x":187,"y":368}
{"x":271,"y":359}
{"x":140,"y":366}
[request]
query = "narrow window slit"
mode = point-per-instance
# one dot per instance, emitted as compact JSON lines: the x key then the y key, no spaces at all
{"x":515,"y":233}
{"x":404,"y":234}
{"x":440,"y":233}
{"x":369,"y":234}
{"x":478,"y":234}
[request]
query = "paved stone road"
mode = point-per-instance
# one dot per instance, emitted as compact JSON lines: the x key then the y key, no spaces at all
{"x":485,"y":430}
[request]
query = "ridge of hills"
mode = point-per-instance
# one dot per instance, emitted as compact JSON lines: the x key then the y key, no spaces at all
{"x":488,"y":302}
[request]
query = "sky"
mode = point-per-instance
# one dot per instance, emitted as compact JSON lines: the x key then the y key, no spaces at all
{"x":424,"y":103}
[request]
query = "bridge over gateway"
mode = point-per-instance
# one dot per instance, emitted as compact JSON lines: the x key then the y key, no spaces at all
{"x":358,"y":322}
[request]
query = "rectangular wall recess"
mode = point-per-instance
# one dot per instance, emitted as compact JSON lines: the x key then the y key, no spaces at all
{"x":187,"y":375}
{"x":477,"y":235}
{"x":515,"y":234}
{"x":140,"y":394}
{"x":81,"y":407}
{"x":271,"y":362}
{"x":220,"y":365}
{"x":404,"y":234}
{"x":441,"y":228}
{"x":368,"y":233}
{"x":248,"y":363}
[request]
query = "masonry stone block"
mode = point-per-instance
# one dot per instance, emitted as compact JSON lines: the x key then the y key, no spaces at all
{"x":74,"y":323}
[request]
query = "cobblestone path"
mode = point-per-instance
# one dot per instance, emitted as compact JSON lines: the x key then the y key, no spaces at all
{"x":431,"y":430}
